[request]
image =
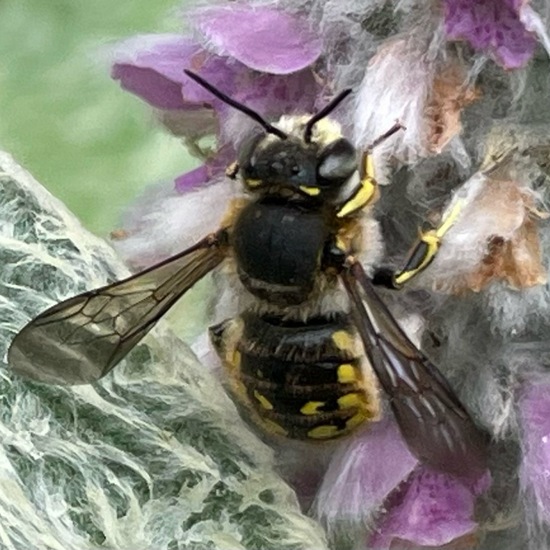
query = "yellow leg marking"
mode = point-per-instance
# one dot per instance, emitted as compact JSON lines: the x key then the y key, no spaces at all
{"x":350,"y":400}
{"x":323,"y":432}
{"x":366,"y":192}
{"x":340,"y":243}
{"x":235,"y":359}
{"x":431,"y":243}
{"x":343,"y":340}
{"x":450,"y":219}
{"x":368,"y":167}
{"x":274,"y":428}
{"x":264,"y":402}
{"x":346,"y":374}
{"x":311,"y":191}
{"x":431,"y":240}
{"x":311,"y":407}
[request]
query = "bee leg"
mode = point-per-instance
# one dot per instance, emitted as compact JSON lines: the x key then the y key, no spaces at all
{"x":366,"y":193}
{"x":422,"y":254}
{"x":216,"y":333}
{"x":221,"y":339}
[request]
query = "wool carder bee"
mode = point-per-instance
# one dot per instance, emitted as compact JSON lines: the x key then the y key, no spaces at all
{"x":303,"y":367}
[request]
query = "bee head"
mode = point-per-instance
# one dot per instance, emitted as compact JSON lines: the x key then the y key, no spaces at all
{"x":305,"y":157}
{"x":314,"y":169}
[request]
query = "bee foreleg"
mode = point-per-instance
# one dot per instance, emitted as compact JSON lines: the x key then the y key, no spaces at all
{"x":367,"y":191}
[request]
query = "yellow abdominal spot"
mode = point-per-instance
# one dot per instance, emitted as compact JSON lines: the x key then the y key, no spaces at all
{"x":311,"y":191}
{"x":346,"y":374}
{"x":264,"y":402}
{"x":253,"y":183}
{"x":343,"y":340}
{"x":311,"y":407}
{"x":323,"y":432}
{"x":350,"y":400}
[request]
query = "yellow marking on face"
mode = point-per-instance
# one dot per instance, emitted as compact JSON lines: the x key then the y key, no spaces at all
{"x":311,"y":407}
{"x":343,"y":340}
{"x":350,"y":400}
{"x":264,"y":402}
{"x":346,"y":374}
{"x":274,"y":428}
{"x":253,"y":183}
{"x":323,"y":432}
{"x":311,"y":191}
{"x":356,"y":420}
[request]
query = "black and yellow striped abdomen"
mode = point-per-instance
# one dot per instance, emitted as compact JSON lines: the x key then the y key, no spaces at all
{"x":304,"y":380}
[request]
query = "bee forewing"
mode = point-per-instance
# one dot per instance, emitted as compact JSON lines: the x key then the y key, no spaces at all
{"x":81,"y":339}
{"x":433,"y":421}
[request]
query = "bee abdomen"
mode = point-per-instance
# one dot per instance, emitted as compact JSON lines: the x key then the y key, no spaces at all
{"x":302,"y":379}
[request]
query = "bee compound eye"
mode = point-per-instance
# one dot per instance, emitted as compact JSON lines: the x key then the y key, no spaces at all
{"x":248,"y":151}
{"x":337,"y":162}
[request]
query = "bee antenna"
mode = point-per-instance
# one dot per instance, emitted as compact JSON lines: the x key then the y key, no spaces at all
{"x":239,"y":106}
{"x":327,"y":109}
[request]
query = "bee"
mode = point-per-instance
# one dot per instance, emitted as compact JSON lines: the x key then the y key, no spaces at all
{"x":302,"y":366}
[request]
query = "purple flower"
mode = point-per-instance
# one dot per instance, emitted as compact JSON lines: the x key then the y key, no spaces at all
{"x":431,"y":509}
{"x":273,"y":76}
{"x":534,"y":407}
{"x":265,"y":59}
{"x":493,"y":26}
{"x":377,"y":471}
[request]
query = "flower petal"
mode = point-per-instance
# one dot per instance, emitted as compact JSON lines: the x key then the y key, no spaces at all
{"x":362,"y":474}
{"x":535,"y":469}
{"x":431,"y":510}
{"x":271,"y":95}
{"x":262,"y":38}
{"x":152,"y":66}
{"x":208,"y":172}
{"x":491,"y":25}
{"x":191,"y":180}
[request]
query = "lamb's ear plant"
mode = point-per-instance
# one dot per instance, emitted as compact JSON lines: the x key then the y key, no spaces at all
{"x":153,"y":457}
{"x":467,"y":80}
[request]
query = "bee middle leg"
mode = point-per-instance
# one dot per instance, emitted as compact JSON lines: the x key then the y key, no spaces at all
{"x":421,"y":255}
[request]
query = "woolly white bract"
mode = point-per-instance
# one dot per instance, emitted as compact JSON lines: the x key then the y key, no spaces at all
{"x":153,"y":457}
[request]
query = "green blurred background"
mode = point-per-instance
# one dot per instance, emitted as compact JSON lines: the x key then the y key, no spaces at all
{"x":92,"y":145}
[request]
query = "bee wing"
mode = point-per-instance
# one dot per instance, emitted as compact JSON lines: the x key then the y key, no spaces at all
{"x":81,"y":339}
{"x":433,"y":421}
